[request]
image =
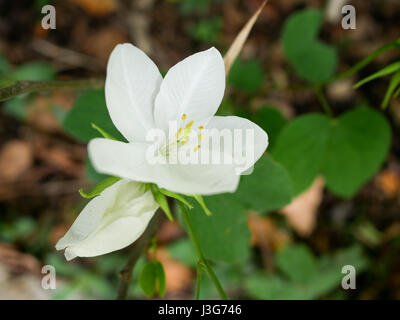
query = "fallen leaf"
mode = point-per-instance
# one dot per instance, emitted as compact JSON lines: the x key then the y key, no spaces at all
{"x":389,"y":182}
{"x":301,"y":213}
{"x":15,"y":159}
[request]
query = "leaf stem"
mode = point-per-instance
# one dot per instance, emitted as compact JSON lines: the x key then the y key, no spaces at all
{"x":322,"y":100}
{"x":200,"y":253}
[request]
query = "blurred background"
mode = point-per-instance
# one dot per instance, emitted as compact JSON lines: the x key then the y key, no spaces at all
{"x":42,"y":165}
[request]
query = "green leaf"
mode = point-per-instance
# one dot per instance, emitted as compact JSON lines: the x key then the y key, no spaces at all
{"x":152,"y":279}
{"x":246,"y":75}
{"x":271,"y":120}
{"x":207,"y":30}
{"x":160,"y":276}
{"x":312,"y":60}
{"x":347,"y":151}
{"x":99,"y":188}
{"x":300,"y":147}
{"x":267,"y":188}
{"x":183,"y":251}
{"x":34,"y":71}
{"x":358,"y":144}
{"x":4,"y":65}
{"x":148,"y":279}
{"x":297,"y":262}
{"x":391,"y":68}
{"x":16,"y":107}
{"x":90,"y":108}
{"x":224,"y":236}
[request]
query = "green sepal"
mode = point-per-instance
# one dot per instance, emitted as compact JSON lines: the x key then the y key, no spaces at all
{"x":99,"y":187}
{"x":176,"y":196}
{"x":103,"y":132}
{"x":161,"y":199}
{"x":201,"y":202}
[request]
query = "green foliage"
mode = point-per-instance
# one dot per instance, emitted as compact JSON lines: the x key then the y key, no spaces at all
{"x":183,"y":251}
{"x":302,"y":275}
{"x":271,"y":120}
{"x":152,"y":279}
{"x":224,"y":236}
{"x":267,"y":188}
{"x":207,"y":31}
{"x":90,"y":108}
{"x":33,"y":71}
{"x":314,"y":61}
{"x":347,"y":150}
{"x":246,"y":75}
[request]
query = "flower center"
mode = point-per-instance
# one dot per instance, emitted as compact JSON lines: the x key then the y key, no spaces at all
{"x":183,"y":137}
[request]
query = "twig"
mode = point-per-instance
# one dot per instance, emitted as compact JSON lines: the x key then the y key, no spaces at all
{"x":136,"y":250}
{"x":322,"y":100}
{"x":22,"y":87}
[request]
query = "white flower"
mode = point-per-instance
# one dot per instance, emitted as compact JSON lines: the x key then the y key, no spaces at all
{"x":139,"y":99}
{"x":110,"y":221}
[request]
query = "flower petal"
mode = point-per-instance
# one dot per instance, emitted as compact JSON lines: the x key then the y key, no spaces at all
{"x":128,"y":160}
{"x":124,"y":160}
{"x":132,"y":83}
{"x":110,"y":221}
{"x":194,"y":86}
{"x":244,"y":152}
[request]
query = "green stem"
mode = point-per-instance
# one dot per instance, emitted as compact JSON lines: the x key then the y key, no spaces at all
{"x":198,"y":279}
{"x":322,"y":100}
{"x":200,"y":253}
{"x":367,"y":60}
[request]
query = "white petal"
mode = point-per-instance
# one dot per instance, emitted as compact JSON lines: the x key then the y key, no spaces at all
{"x":128,"y":160}
{"x":244,"y":152}
{"x":125,"y":160}
{"x":132,"y":83}
{"x":201,"y":179}
{"x":116,"y":219}
{"x":195,"y":87}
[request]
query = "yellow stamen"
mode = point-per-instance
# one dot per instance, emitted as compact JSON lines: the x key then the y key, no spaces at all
{"x":183,"y":143}
{"x":180,"y":131}
{"x":184,"y":116}
{"x":189,"y":124}
{"x":201,"y":128}
{"x":201,"y":137}
{"x":196,"y":148}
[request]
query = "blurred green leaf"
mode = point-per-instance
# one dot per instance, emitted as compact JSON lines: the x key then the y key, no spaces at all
{"x":347,"y":150}
{"x":267,"y":188}
{"x":246,"y":75}
{"x":358,"y":144}
{"x":300,"y":146}
{"x":224,"y":236}
{"x":207,"y":30}
{"x":271,"y":120}
{"x":16,"y":107}
{"x":34,"y":71}
{"x":90,"y":108}
{"x":4,"y":64}
{"x":297,"y":262}
{"x":312,"y":60}
{"x":152,"y":278}
{"x":393,"y":84}
{"x":183,"y":251}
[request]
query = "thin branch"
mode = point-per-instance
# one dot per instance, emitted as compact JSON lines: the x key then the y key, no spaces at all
{"x":22,"y":87}
{"x":136,"y":250}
